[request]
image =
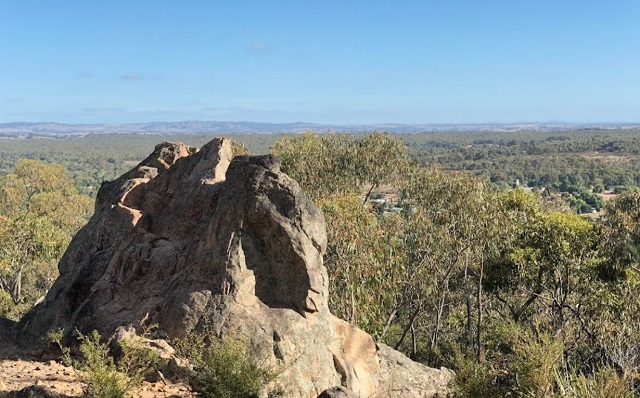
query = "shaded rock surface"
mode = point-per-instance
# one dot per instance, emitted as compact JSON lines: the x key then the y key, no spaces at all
{"x":336,"y":392}
{"x":193,"y":238}
{"x":35,"y":392}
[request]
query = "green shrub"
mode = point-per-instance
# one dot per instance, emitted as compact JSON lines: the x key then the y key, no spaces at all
{"x":98,"y":370}
{"x":525,"y":364}
{"x":223,"y":368}
{"x":534,"y":362}
{"x":477,"y":380}
{"x":104,"y":376}
{"x":6,"y":303}
{"x":137,"y":360}
{"x":519,"y":363}
{"x":604,"y":383}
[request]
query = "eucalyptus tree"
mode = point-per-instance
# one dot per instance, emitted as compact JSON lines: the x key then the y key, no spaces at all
{"x":546,"y":274}
{"x":40,"y":210}
{"x":338,"y":164}
{"x":453,"y":224}
{"x":616,"y":317}
{"x":621,"y":240}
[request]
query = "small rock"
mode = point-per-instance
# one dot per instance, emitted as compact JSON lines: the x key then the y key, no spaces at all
{"x":162,"y":334}
{"x":336,"y":392}
{"x":180,"y":368}
{"x":37,"y":392}
{"x":155,"y":377}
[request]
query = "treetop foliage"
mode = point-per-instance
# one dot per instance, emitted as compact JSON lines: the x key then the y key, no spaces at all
{"x":334,"y":164}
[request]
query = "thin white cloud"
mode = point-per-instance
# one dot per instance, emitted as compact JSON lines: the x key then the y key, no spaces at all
{"x":99,"y":110}
{"x":14,"y":100}
{"x":260,"y":47}
{"x":133,"y":77}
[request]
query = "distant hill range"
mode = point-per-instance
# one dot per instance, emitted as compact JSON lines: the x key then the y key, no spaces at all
{"x":193,"y":127}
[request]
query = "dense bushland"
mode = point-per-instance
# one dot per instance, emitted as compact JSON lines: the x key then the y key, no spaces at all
{"x":517,"y":293}
{"x":512,"y":289}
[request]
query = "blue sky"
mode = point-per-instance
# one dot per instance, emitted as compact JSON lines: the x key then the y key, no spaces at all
{"x":320,"y":61}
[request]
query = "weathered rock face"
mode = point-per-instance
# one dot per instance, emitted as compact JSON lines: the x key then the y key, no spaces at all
{"x":191,"y":238}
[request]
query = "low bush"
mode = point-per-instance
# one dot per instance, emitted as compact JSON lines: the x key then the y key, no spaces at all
{"x":103,"y":375}
{"x":518,"y":363}
{"x":604,"y":383}
{"x":98,"y":370}
{"x":223,"y":368}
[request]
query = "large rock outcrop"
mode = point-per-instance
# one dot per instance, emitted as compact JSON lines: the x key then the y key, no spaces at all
{"x":190,"y":238}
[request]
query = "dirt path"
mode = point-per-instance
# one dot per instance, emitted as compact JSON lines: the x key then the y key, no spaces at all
{"x":17,"y":374}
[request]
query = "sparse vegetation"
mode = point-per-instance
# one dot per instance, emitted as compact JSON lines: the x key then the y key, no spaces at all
{"x":98,"y":370}
{"x":103,"y":375}
{"x":223,"y":368}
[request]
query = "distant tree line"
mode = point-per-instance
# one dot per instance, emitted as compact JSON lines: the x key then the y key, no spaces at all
{"x":554,"y":160}
{"x":577,"y":163}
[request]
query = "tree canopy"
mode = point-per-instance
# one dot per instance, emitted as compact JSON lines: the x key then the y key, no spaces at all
{"x":40,"y":210}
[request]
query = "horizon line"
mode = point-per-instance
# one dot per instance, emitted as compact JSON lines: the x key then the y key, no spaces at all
{"x":333,"y":124}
